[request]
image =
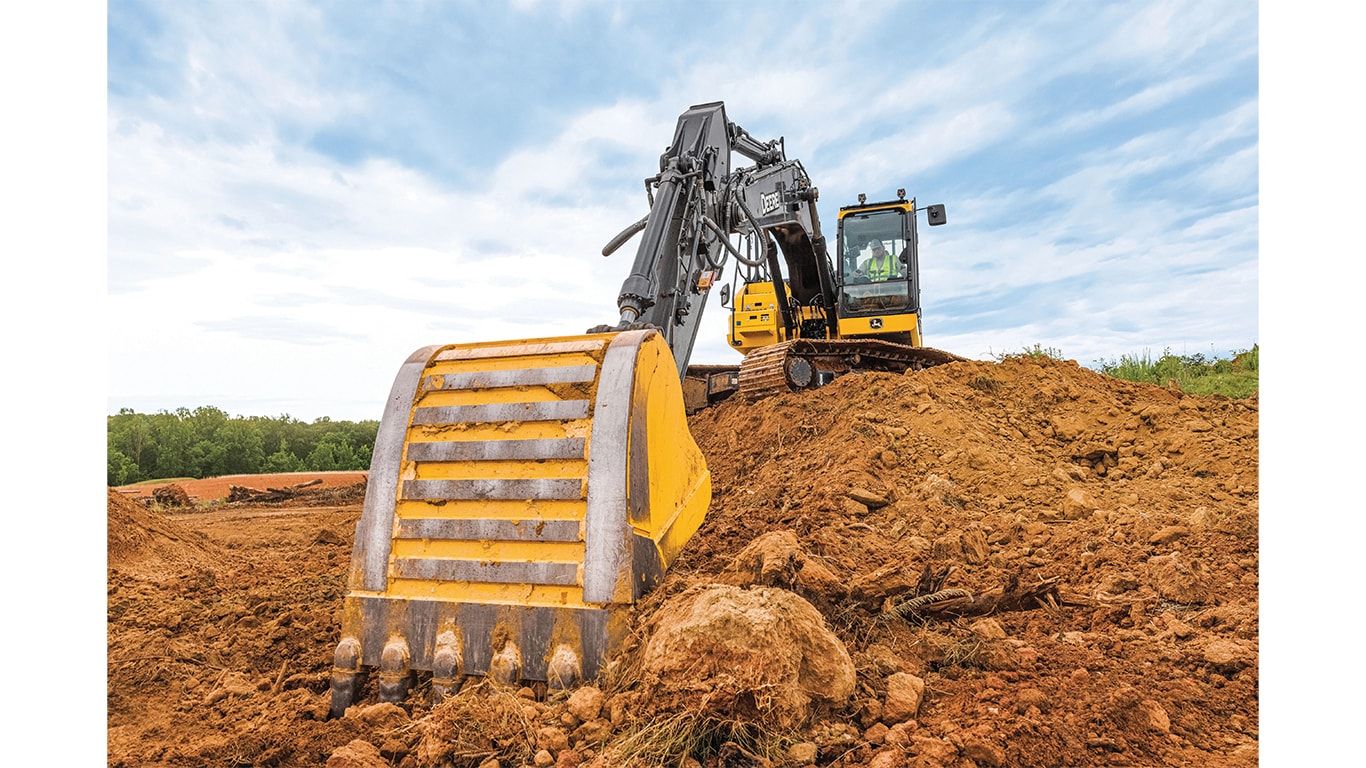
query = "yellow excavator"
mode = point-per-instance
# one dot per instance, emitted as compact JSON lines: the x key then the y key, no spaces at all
{"x":524,"y":494}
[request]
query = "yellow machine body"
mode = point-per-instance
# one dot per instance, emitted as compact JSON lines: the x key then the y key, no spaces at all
{"x":902,"y":325}
{"x":862,"y":309}
{"x":755,"y":319}
{"x":521,"y":494}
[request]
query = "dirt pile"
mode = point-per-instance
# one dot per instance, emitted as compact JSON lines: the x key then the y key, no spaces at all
{"x":150,"y":544}
{"x":1027,"y":564}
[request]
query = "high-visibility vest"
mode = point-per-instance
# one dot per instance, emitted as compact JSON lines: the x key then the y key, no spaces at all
{"x":883,"y":271}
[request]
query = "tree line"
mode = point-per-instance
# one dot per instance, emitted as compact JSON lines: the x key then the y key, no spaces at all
{"x":206,"y":442}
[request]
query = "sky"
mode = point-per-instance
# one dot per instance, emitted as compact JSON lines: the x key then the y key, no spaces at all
{"x":302,"y":194}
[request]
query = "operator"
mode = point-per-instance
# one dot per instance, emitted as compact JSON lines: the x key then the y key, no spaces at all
{"x":881,"y":265}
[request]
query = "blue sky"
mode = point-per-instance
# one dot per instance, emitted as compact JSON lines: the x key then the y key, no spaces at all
{"x":301,"y":194}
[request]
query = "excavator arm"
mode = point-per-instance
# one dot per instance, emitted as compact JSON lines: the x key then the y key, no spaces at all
{"x":693,"y":212}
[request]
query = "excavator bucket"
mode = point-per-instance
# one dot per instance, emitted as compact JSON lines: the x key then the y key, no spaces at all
{"x":521,"y":495}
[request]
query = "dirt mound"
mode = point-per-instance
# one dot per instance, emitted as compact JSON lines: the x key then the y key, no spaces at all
{"x":1028,"y":563}
{"x":147,"y":542}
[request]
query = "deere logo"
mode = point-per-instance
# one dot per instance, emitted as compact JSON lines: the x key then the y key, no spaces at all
{"x":769,"y":202}
{"x":875,"y":323}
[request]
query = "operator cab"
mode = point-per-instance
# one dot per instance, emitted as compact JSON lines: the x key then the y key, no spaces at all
{"x":879,"y":267}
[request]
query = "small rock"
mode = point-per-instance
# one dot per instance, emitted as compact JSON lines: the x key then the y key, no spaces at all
{"x":1227,"y":655}
{"x":1155,"y":716}
{"x":592,"y":732}
{"x":870,"y":499}
{"x":1076,"y":505}
{"x":1169,"y":534}
{"x":568,"y":758}
{"x":870,"y":710}
{"x":383,"y":715}
{"x":1031,"y":697}
{"x":901,"y":733}
{"x":1177,"y":580}
{"x":585,"y":703}
{"x":852,"y":508}
{"x":543,"y":758}
{"x":888,"y":758}
{"x":1119,"y":583}
{"x":357,"y":754}
{"x":876,"y":734}
{"x":905,"y":692}
{"x":620,"y":708}
{"x":802,"y":753}
{"x":328,"y":536}
{"x":929,"y":748}
{"x":948,"y":548}
{"x":988,"y":629}
{"x":983,"y":752}
{"x":552,"y":739}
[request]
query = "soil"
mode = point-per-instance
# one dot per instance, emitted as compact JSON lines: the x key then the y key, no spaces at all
{"x":218,"y":489}
{"x":1090,"y":547}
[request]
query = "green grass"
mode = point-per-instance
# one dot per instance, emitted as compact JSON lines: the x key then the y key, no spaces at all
{"x":1035,"y":353}
{"x":163,"y":481}
{"x":1235,"y":376}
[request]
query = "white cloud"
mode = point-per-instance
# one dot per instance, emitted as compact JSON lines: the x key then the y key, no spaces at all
{"x":226,"y":225}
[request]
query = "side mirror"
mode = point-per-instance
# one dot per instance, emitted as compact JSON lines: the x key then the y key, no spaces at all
{"x":935,"y":214}
{"x":725,"y":294}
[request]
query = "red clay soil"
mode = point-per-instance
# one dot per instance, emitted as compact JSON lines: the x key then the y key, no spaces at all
{"x":1132,"y":510}
{"x":218,"y":488}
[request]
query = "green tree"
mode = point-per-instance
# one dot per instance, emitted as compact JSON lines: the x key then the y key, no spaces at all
{"x":129,"y":433}
{"x":174,"y":441}
{"x":122,"y":469}
{"x":239,"y":448}
{"x":283,"y":460}
{"x":334,"y":452}
{"x":207,"y":442}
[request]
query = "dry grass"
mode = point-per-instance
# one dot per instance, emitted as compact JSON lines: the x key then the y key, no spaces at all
{"x":483,"y":720}
{"x":697,"y":734}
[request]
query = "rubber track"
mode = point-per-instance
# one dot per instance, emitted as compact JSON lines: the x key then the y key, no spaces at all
{"x":764,"y":372}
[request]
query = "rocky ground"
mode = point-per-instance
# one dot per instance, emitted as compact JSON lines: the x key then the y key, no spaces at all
{"x":1021,"y":563}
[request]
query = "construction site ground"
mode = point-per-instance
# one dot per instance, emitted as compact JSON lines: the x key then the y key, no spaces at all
{"x":1091,"y":545}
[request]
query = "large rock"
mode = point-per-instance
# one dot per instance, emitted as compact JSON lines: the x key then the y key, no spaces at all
{"x":760,"y":654}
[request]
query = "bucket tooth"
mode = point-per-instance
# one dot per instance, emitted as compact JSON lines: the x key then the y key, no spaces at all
{"x":346,"y":673}
{"x":395,"y":671}
{"x":522,"y":495}
{"x":565,"y":669}
{"x":448,"y":667}
{"x":506,"y":666}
